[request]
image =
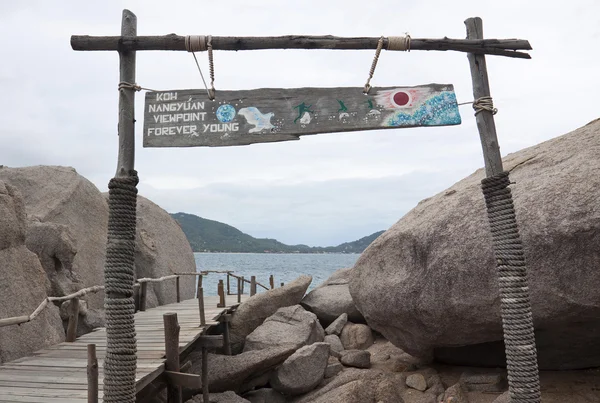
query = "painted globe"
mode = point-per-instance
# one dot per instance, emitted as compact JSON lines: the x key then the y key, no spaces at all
{"x":225,"y":113}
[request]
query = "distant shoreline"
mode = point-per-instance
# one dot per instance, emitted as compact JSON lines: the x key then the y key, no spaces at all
{"x":287,"y":253}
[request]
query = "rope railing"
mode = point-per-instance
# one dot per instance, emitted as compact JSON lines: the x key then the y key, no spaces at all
{"x":141,"y":282}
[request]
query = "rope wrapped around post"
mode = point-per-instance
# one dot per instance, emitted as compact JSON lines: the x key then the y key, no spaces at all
{"x":519,"y":340}
{"x":120,"y":362}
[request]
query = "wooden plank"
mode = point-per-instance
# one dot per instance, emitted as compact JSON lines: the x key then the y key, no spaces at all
{"x":180,"y":379}
{"x":187,"y":118}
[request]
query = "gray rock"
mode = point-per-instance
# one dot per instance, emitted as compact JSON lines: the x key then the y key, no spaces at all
{"x":356,"y":336}
{"x":264,"y":395}
{"x":358,"y":386}
{"x":335,"y":343}
{"x":254,"y":311}
{"x":416,"y":381}
{"x":302,"y":371}
{"x":436,"y":265}
{"x":333,"y":368}
{"x":484,"y":380}
{"x":503,"y":398}
{"x":416,"y":396}
{"x":225,"y":397}
{"x":337,"y":325}
{"x":356,"y":358}
{"x":332,"y":298}
{"x":435,"y":385}
{"x":23,"y":285}
{"x":456,"y":394}
{"x":232,"y":372}
{"x":291,"y":326}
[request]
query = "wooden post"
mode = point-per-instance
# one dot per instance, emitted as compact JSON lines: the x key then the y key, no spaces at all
{"x":200,"y":294}
{"x":252,"y":285}
{"x":225,"y":319}
{"x":172,"y":354}
{"x":228,"y":286}
{"x":272,"y":281}
{"x":243,"y":284}
{"x":92,"y":374}
{"x":73,"y":319}
{"x":206,"y":342}
{"x":142,"y":296}
{"x":239,"y":289}
{"x":201,"y":307}
{"x":519,"y":340}
{"x":178,"y":291}
{"x":221,"y":293}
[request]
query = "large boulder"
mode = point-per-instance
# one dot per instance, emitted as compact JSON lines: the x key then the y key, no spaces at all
{"x":67,"y":229}
{"x":23,"y":286}
{"x":332,"y":298}
{"x":255,"y":310}
{"x":162,"y":249}
{"x":302,"y":371}
{"x":59,"y":195}
{"x":233,"y":372}
{"x":429,"y":282}
{"x":291,"y":326}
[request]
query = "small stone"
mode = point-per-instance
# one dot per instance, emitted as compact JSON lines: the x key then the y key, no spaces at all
{"x":356,"y":358}
{"x":334,"y":342}
{"x":456,"y":394}
{"x":337,"y":325}
{"x":356,"y":336}
{"x":416,"y":381}
{"x":333,"y":368}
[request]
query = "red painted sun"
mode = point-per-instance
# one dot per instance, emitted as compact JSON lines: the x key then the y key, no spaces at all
{"x":398,"y":98}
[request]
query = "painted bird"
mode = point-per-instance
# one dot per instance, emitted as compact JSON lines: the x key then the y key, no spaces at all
{"x":259,"y":120}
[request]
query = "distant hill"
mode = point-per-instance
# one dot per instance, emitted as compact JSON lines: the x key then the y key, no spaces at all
{"x":214,"y":236}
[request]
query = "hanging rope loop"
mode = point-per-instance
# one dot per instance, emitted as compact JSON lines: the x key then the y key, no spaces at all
{"x":401,"y":43}
{"x":211,"y":66}
{"x":484,"y":104}
{"x":373,"y":65}
{"x":195,"y":43}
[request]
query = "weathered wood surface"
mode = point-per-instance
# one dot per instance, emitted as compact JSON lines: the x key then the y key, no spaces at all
{"x":59,"y":373}
{"x":481,"y":88}
{"x":187,"y":118}
{"x":500,"y":47}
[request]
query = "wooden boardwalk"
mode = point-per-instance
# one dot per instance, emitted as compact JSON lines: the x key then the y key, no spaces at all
{"x":58,"y":374}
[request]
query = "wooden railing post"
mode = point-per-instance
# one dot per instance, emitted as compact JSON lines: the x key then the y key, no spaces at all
{"x":207,"y":342}
{"x":228,"y":286}
{"x":172,"y":354}
{"x":92,"y":374}
{"x":243,"y":284}
{"x":239,"y":289}
{"x":200,"y":293}
{"x":282,"y":284}
{"x":225,"y":319}
{"x":178,"y":292}
{"x":252,"y":285}
{"x":73,"y":319}
{"x":221,"y":293}
{"x":142,"y":296}
{"x":272,"y":281}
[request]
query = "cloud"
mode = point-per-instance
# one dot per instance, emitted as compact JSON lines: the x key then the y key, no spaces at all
{"x":60,"y":107}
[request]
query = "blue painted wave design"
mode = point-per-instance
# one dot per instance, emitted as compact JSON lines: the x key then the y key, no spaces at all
{"x":441,"y":109}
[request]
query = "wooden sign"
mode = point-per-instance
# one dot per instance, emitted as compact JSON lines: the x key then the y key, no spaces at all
{"x":188,"y":118}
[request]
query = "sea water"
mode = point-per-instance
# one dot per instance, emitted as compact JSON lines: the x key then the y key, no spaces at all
{"x":284,"y":266}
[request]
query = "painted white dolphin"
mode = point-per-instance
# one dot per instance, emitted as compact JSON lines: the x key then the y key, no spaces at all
{"x":259,"y":120}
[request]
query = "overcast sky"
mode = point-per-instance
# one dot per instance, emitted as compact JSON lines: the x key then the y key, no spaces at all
{"x":59,"y":107}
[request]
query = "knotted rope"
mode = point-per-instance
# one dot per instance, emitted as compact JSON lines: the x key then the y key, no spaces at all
{"x":517,"y":320}
{"x":484,"y":104}
{"x":200,"y":43}
{"x":394,"y":43}
{"x":373,"y":65}
{"x":120,"y":362}
{"x":132,"y":86}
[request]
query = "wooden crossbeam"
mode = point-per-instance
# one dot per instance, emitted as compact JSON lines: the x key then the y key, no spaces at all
{"x":498,"y":47}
